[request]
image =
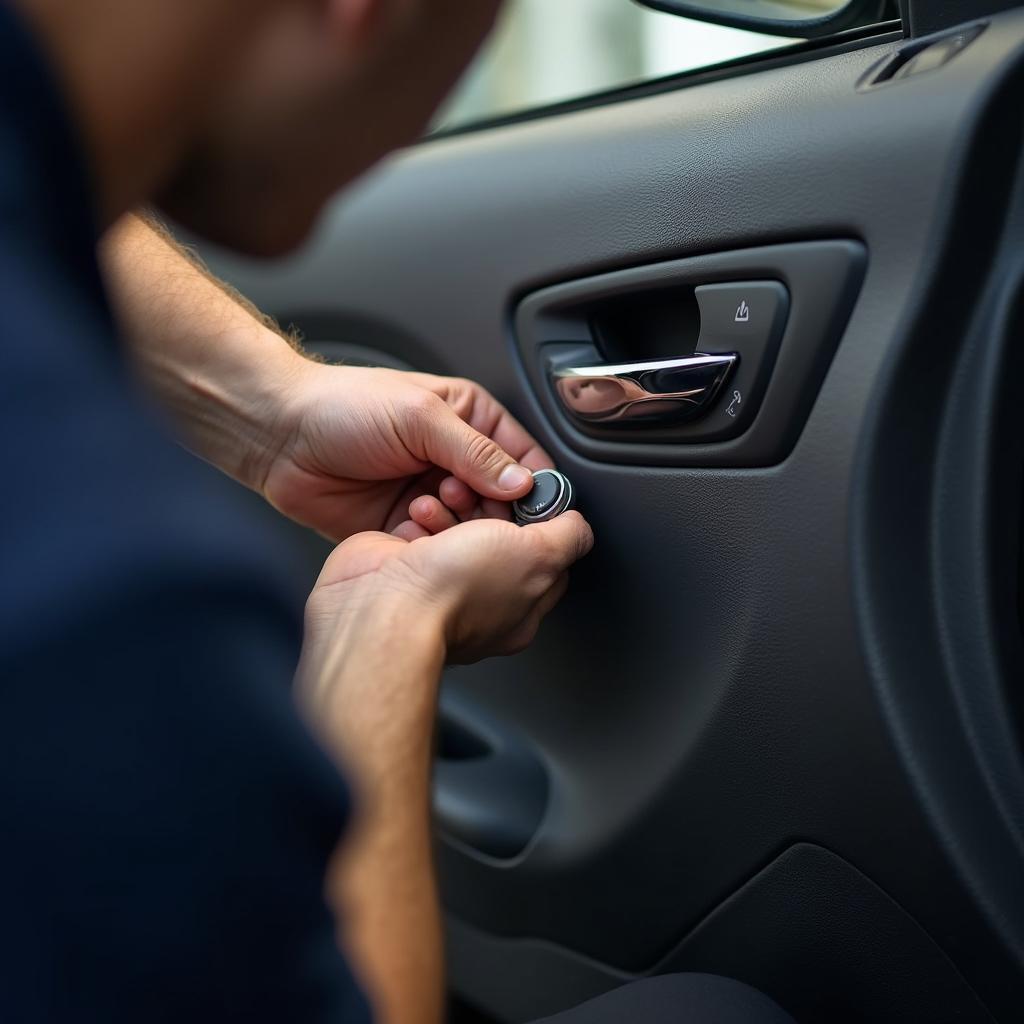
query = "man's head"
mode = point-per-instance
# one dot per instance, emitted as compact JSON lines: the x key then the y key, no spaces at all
{"x":242,"y":117}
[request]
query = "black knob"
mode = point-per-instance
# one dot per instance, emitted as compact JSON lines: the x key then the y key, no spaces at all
{"x":552,"y":495}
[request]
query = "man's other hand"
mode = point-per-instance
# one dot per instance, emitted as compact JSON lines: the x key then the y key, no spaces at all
{"x":486,"y":584}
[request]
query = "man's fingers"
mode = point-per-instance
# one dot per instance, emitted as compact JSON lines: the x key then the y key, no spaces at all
{"x":467,"y":505}
{"x":484,"y":413}
{"x":491,"y":509}
{"x":429,"y":513}
{"x":477,"y":460}
{"x":553,"y":596}
{"x":410,"y":531}
{"x":459,"y":498}
{"x":526,"y":633}
{"x":514,"y":438}
{"x":567,"y":537}
{"x":414,"y":487}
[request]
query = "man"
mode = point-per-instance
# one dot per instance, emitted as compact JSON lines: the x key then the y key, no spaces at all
{"x":172,"y":830}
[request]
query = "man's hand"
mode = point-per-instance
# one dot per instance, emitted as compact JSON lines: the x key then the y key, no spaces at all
{"x":384,"y":617}
{"x":346,"y":450}
{"x":484,"y":586}
{"x":352,"y":447}
{"x":340,"y":449}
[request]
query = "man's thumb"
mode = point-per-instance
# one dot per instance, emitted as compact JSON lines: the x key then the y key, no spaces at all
{"x":477,"y":460}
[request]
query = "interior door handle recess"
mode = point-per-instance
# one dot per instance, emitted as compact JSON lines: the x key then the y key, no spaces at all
{"x":658,"y":391}
{"x":778,"y":311}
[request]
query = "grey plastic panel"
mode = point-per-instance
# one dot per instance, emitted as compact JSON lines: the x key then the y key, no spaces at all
{"x":713,"y":689}
{"x":925,"y":16}
{"x":490,"y":790}
{"x":826,"y":942}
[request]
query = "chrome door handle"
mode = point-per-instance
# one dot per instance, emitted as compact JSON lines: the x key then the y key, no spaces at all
{"x":660,"y":391}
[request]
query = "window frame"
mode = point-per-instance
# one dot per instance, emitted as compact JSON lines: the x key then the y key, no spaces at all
{"x":797,"y":53}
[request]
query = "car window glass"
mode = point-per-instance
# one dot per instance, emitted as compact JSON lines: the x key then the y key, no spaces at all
{"x":549,"y":51}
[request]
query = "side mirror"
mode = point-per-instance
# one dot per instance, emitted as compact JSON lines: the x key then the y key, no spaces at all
{"x":804,"y":19}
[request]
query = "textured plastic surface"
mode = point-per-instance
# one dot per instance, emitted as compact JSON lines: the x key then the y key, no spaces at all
{"x":750,"y":656}
{"x":809,"y":929}
{"x":490,"y":790}
{"x":925,"y":16}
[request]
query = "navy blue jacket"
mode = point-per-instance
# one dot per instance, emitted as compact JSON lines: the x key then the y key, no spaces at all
{"x":165,"y":816}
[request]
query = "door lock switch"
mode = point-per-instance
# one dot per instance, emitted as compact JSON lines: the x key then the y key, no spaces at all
{"x":746,"y":319}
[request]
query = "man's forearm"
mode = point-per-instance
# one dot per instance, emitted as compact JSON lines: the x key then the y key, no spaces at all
{"x":209,"y":356}
{"x":371,"y":690}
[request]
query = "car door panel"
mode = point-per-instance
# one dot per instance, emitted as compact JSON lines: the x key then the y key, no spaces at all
{"x":742,"y":763}
{"x":847,"y":952}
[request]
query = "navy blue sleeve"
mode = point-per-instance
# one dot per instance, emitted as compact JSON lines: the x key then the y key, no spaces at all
{"x":166,"y":821}
{"x":166,"y":817}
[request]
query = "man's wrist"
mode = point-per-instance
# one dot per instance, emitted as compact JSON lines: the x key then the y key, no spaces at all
{"x":238,"y":394}
{"x":369,"y":676}
{"x":204,"y":351}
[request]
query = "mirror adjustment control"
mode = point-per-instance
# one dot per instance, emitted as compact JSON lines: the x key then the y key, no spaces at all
{"x":552,"y":495}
